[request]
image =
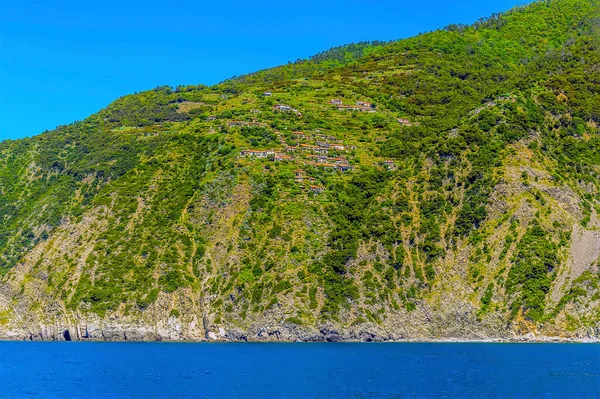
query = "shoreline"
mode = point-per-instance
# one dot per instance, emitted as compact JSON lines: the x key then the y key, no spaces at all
{"x":516,"y":340}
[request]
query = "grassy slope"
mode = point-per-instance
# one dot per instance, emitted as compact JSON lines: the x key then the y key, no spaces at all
{"x":144,"y":209}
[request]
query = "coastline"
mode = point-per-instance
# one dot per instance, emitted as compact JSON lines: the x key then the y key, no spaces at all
{"x":513,"y":340}
{"x":171,"y":330}
{"x":192,"y":330}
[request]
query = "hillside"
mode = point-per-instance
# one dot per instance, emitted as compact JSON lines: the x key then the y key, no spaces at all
{"x":445,"y":186}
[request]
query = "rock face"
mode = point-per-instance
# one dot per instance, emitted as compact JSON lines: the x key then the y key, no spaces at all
{"x":285,"y":333}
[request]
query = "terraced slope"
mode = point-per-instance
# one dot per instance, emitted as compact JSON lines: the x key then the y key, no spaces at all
{"x":443,"y":186}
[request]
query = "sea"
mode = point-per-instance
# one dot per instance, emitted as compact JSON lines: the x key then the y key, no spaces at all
{"x":101,"y":370}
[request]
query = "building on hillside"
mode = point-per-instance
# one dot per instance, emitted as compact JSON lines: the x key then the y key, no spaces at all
{"x":299,"y":176}
{"x":338,"y":160}
{"x":255,"y":111}
{"x":211,"y":118}
{"x":336,"y":101}
{"x":364,"y":104}
{"x":338,"y":147}
{"x":404,"y":122}
{"x":257,"y":153}
{"x":321,"y":150}
{"x":391,"y":165}
{"x":282,"y":107}
{"x":281,"y":157}
{"x":356,"y":108}
{"x":318,"y":158}
{"x":298,"y":135}
{"x":308,"y":147}
{"x":317,"y":189}
{"x":267,"y":94}
{"x":292,"y":149}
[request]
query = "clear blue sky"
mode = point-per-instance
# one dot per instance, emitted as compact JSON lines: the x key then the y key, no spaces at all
{"x":62,"y":60}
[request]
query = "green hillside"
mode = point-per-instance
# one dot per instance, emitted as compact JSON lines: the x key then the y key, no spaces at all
{"x":442,"y":186}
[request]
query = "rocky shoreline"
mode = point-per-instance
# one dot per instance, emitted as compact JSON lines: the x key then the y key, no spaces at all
{"x":111,"y":333}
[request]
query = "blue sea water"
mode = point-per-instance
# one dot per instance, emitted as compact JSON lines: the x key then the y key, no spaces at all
{"x":167,"y":370}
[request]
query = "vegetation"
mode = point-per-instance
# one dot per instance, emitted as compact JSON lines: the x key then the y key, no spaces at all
{"x":459,"y":166}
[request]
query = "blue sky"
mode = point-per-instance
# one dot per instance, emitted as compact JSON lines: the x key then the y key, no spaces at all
{"x":63,"y":60}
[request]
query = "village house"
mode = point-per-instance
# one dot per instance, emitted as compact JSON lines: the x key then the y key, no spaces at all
{"x":321,"y":150}
{"x":282,"y":107}
{"x":308,"y":147}
{"x":323,"y":144}
{"x":364,"y":104}
{"x":318,"y":158}
{"x":389,"y":164}
{"x":343,"y":168}
{"x":356,"y":108}
{"x":291,"y":149}
{"x":257,"y":153}
{"x":338,"y":160}
{"x":211,"y":118}
{"x":298,"y":135}
{"x":267,"y":94}
{"x":338,"y":147}
{"x":404,"y":122}
{"x":336,"y":101}
{"x":317,"y":189}
{"x":311,"y":180}
{"x":326,"y":165}
{"x":299,"y":176}
{"x":281,"y":157}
